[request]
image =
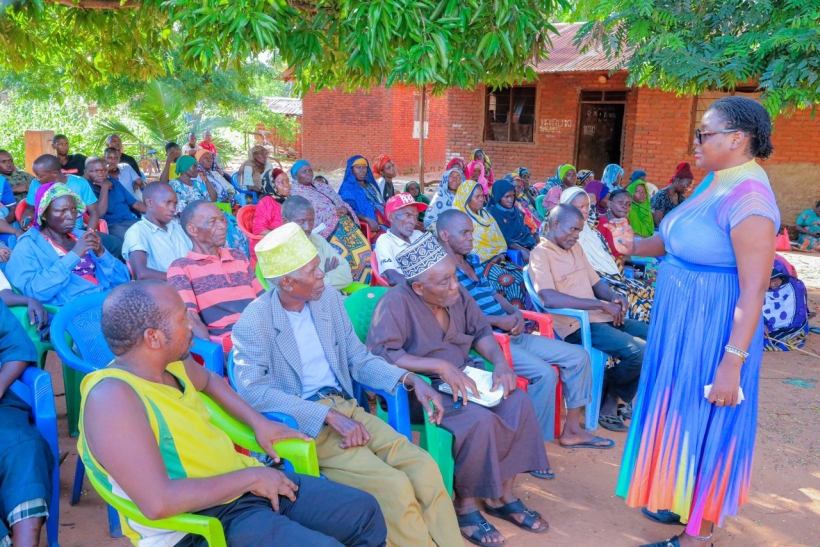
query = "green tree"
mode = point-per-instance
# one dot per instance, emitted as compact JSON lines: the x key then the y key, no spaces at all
{"x":439,"y":43}
{"x":692,"y":45}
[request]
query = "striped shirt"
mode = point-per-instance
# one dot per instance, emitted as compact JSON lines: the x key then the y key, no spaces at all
{"x":480,"y":290}
{"x":217,"y":288}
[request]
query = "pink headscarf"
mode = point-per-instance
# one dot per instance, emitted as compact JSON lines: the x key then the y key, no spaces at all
{"x":481,"y":178}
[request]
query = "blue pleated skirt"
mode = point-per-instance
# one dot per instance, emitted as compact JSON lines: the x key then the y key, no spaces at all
{"x":683,"y":453}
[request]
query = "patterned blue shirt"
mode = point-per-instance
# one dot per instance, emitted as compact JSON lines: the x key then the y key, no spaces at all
{"x":480,"y":290}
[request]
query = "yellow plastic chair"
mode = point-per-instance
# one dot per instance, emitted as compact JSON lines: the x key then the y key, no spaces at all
{"x":300,"y":453}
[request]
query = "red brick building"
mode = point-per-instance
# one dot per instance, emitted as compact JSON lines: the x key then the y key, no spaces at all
{"x":577,"y":112}
{"x":337,"y":125}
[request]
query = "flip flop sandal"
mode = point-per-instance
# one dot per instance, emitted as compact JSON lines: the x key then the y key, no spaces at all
{"x":506,"y":512}
{"x":664,"y":516}
{"x":591,"y":444}
{"x":484,"y":528}
{"x":545,"y":476}
{"x":671,"y":542}
{"x":625,"y":411}
{"x":612,"y":423}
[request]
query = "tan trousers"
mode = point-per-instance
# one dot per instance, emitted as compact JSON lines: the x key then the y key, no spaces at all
{"x":401,"y":476}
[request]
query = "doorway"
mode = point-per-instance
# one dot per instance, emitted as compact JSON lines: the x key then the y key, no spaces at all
{"x":601,"y":125}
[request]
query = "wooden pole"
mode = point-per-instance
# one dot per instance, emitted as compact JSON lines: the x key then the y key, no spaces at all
{"x":421,"y":137}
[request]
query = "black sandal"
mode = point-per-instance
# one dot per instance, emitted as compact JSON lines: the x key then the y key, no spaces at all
{"x":625,"y":411}
{"x":505,"y":512}
{"x":484,"y":528}
{"x":671,"y":542}
{"x":612,"y":423}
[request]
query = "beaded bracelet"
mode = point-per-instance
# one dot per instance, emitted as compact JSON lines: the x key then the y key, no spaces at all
{"x":737,"y":351}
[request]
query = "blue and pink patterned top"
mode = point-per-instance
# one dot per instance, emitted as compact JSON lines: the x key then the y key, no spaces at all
{"x":698,"y":230}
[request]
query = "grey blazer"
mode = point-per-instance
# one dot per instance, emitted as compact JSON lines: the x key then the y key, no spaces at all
{"x":268,"y":369}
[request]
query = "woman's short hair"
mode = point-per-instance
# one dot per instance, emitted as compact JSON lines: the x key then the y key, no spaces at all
{"x":750,"y":117}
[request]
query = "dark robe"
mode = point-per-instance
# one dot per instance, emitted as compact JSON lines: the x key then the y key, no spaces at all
{"x":491,"y":444}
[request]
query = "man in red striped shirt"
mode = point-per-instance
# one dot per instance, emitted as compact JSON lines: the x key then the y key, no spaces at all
{"x":214,"y":282}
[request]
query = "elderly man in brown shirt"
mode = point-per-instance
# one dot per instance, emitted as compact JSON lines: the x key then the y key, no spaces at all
{"x":564,"y":278}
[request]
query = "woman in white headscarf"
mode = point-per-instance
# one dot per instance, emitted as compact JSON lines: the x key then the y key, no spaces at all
{"x":444,"y":198}
{"x":639,"y":295}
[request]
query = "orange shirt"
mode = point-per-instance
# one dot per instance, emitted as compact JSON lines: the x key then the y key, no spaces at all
{"x":568,"y":272}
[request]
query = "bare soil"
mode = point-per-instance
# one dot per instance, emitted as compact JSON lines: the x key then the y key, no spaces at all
{"x":784,"y":509}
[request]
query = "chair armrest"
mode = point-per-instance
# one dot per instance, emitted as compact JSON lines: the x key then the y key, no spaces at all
{"x":353,"y":287}
{"x":208,"y":527}
{"x":300,"y":453}
{"x":211,"y":354}
{"x":580,"y":315}
{"x":398,"y":408}
{"x":504,"y":341}
{"x":63,"y":343}
{"x":515,"y":257}
{"x":544,"y":322}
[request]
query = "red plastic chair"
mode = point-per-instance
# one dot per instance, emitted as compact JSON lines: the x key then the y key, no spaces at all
{"x":244,"y":219}
{"x":378,"y":280}
{"x":544,"y":329}
{"x":102,"y":226}
{"x":19,"y":210}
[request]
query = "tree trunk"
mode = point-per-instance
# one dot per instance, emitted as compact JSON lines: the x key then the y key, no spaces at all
{"x":421,"y":137}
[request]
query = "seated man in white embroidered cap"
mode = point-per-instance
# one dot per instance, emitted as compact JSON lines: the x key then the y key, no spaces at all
{"x":296,"y":353}
{"x":429,"y":324}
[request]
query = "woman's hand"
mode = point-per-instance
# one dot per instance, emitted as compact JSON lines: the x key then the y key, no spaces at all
{"x":623,"y":237}
{"x":726,"y":384}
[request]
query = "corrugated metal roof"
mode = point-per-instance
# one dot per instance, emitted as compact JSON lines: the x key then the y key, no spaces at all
{"x":565,"y":57}
{"x":284,"y":105}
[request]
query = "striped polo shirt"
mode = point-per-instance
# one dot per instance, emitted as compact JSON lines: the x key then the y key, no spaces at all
{"x":217,"y":288}
{"x":480,"y":290}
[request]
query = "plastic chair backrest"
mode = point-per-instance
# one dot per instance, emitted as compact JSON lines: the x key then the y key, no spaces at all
{"x":19,"y":210}
{"x":374,"y":267}
{"x":244,"y":219}
{"x":35,"y":388}
{"x":79,"y":322}
{"x":360,"y":307}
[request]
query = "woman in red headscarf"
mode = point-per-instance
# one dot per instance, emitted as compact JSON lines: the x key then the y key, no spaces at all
{"x":386,"y":170}
{"x":673,"y":195}
{"x":268,"y":214}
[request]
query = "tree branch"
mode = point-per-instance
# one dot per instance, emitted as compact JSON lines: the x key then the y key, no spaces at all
{"x":98,"y":4}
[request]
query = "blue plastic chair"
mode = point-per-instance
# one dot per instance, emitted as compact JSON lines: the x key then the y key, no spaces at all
{"x":241,"y":193}
{"x":515,"y":257}
{"x":77,"y":325}
{"x":398,"y":409}
{"x":597,"y":357}
{"x":34,"y":387}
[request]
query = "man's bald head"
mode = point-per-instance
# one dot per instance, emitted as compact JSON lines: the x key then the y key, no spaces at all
{"x":566,"y":223}
{"x":450,"y":220}
{"x":46,"y":162}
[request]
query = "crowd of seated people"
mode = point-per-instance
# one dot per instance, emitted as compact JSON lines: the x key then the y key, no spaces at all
{"x":455,"y":269}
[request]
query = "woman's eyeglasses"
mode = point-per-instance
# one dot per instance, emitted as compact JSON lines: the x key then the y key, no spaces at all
{"x":700,"y":134}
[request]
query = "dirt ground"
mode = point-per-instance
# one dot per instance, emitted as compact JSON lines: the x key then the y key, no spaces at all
{"x":784,"y":509}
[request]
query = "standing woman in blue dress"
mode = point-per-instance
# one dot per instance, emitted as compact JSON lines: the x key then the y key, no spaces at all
{"x":689,"y":456}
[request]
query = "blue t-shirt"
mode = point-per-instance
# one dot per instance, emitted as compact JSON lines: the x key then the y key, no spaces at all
{"x":6,"y":195}
{"x":119,"y":203}
{"x":76,"y":184}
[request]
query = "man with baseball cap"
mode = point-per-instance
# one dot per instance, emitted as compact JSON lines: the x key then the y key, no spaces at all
{"x":402,"y":210}
{"x":295,"y":352}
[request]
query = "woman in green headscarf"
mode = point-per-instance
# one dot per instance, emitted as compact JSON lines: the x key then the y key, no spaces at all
{"x":640,"y":215}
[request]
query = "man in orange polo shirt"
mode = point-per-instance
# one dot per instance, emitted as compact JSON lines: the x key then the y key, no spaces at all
{"x":564,"y":278}
{"x":215,"y":283}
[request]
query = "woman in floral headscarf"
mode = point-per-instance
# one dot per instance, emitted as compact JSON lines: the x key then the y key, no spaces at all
{"x":479,"y":155}
{"x":54,"y":262}
{"x":268,"y":214}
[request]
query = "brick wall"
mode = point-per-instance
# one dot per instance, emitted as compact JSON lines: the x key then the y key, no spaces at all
{"x":657,"y":136}
{"x":337,"y":125}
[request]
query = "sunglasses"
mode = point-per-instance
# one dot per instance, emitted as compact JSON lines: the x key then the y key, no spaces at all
{"x":700,"y":134}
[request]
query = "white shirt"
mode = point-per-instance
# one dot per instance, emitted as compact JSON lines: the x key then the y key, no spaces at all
{"x":161,"y":246}
{"x":388,"y":246}
{"x":127,"y":178}
{"x":316,"y":372}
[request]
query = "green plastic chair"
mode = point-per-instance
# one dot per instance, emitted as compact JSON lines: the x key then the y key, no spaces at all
{"x":300,"y":453}
{"x":225,"y":207}
{"x":350,"y":289}
{"x":21,"y":313}
{"x":438,"y":442}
